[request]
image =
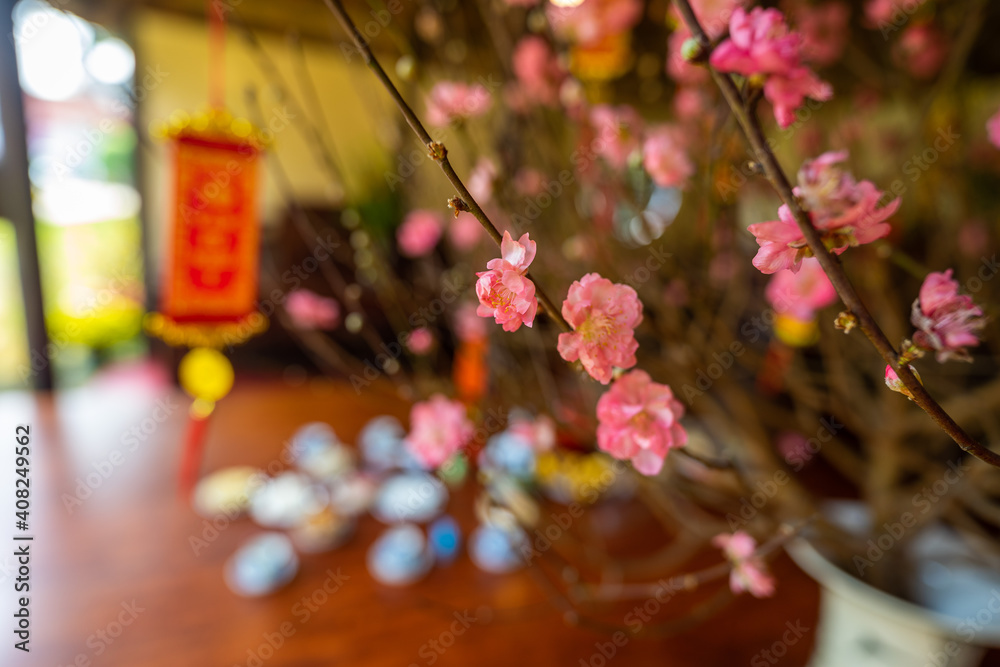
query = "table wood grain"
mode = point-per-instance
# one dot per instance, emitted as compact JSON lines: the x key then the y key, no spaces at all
{"x":121,"y":562}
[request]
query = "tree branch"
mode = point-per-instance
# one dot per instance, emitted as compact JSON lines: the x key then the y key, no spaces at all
{"x":436,"y":150}
{"x":828,"y":261}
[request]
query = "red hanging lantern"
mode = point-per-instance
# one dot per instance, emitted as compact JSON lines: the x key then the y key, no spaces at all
{"x":209,"y":288}
{"x":208,"y":295}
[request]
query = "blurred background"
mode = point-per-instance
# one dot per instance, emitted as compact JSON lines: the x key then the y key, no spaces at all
{"x":126,"y":573}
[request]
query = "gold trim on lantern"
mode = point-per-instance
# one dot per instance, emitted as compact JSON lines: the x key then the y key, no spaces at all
{"x":199,"y":334}
{"x":213,"y":125}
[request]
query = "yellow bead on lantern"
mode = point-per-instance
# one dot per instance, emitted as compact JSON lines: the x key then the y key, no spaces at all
{"x":206,"y":374}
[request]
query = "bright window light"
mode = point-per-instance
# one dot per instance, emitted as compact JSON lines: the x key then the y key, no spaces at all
{"x":50,"y":47}
{"x":111,"y":61}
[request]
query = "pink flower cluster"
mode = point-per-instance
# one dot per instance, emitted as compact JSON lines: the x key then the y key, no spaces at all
{"x":619,"y":133}
{"x":589,"y":21}
{"x":309,"y":310}
{"x":800,"y":294}
{"x":664,"y":157}
{"x":438,"y":428}
{"x":879,"y":12}
{"x":468,"y":326}
{"x":539,"y":432}
{"x":483,"y":179}
{"x":505,"y":294}
{"x":420,"y":341}
{"x":749,"y":572}
{"x":714,"y":16}
{"x":638,"y":419}
{"x":947,"y":321}
{"x":419,"y":232}
{"x":921,"y":50}
{"x":452,"y":101}
{"x":760,"y":45}
{"x":538,"y":71}
{"x":824,"y":29}
{"x":603,"y":315}
{"x":845,"y":212}
{"x":993,"y":128}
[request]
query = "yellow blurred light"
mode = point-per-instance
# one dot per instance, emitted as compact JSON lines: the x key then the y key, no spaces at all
{"x":206,"y":374}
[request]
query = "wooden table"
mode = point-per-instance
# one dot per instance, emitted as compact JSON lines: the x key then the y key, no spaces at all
{"x":115,"y":579}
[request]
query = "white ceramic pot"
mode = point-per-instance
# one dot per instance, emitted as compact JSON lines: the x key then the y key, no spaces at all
{"x":861,"y":626}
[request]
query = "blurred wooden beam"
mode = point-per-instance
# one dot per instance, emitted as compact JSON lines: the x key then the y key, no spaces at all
{"x":15,"y":201}
{"x":310,"y":19}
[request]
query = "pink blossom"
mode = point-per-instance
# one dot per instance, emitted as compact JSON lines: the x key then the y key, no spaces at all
{"x":922,"y":50}
{"x":309,"y":310}
{"x":787,"y":92}
{"x":800,"y":294}
{"x":591,"y":20}
{"x":482,"y":180}
{"x":749,"y":572}
{"x":845,"y":213}
{"x":714,"y":16}
{"x":824,"y":30}
{"x":664,"y":157}
{"x":880,"y":12}
{"x":689,"y":103}
{"x":538,"y":71}
{"x":420,"y":232}
{"x":504,"y":292}
{"x":618,"y":131}
{"x":420,"y":341}
{"x":638,"y":419}
{"x":452,"y":101}
{"x":947,"y":321}
{"x":795,"y":449}
{"x":469,"y":327}
{"x":539,"y":432}
{"x":438,"y":428}
{"x":993,"y":128}
{"x":759,"y":43}
{"x":465,"y":232}
{"x":603,"y":315}
{"x":893,"y":382}
{"x":529,"y":181}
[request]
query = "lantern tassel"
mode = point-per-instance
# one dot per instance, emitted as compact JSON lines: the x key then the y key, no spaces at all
{"x":194,"y":445}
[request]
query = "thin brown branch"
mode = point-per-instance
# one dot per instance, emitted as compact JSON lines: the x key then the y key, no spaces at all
{"x":828,"y":261}
{"x":437,"y":151}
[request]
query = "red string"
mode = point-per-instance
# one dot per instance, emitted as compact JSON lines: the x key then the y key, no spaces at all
{"x":216,"y":54}
{"x":194,"y":443}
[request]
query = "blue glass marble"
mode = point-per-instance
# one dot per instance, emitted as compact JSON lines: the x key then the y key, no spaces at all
{"x":445,"y":538}
{"x":286,"y":500}
{"x":494,"y":549}
{"x":411,"y":497}
{"x":381,"y":443}
{"x":400,"y":556}
{"x":311,"y":439}
{"x":264,"y":563}
{"x":506,"y":452}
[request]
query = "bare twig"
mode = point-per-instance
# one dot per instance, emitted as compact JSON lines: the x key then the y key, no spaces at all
{"x":828,"y":261}
{"x":437,"y":151}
